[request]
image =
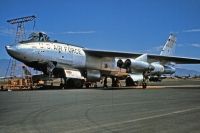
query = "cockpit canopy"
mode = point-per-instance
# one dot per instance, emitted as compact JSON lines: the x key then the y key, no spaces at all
{"x":41,"y":37}
{"x":38,"y":36}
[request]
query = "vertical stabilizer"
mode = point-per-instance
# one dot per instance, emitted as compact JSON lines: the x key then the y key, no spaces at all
{"x":169,"y":47}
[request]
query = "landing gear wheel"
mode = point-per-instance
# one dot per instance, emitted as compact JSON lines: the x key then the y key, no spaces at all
{"x":69,"y":84}
{"x":87,"y":85}
{"x":78,"y":83}
{"x":74,"y":83}
{"x":61,"y":86}
{"x":115,"y":82}
{"x":130,"y":82}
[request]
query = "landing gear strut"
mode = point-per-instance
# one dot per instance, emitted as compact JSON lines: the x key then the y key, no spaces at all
{"x":115,"y":82}
{"x":105,"y":83}
{"x":144,"y":85}
{"x":145,"y":79}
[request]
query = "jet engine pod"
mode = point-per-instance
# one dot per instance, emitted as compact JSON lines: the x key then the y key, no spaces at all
{"x":93,"y":75}
{"x":151,"y":67}
{"x":136,"y":65}
{"x":169,"y":70}
{"x":158,"y":68}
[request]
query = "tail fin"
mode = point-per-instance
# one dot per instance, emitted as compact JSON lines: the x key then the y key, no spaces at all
{"x":169,"y":47}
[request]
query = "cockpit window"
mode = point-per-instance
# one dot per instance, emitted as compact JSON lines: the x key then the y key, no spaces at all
{"x":38,"y":36}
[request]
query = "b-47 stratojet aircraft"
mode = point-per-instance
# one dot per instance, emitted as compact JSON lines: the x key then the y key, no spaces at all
{"x":79,"y":66}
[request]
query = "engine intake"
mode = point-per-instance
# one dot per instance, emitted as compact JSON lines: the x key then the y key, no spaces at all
{"x":127,"y":63}
{"x":120,"y":63}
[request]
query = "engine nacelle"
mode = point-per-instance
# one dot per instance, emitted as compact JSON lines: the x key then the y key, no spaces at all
{"x":93,"y":75}
{"x":119,"y":62}
{"x":136,"y":65}
{"x":158,"y":68}
{"x":169,"y":70}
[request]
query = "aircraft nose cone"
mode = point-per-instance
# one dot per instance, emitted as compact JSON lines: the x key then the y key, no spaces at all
{"x":8,"y":48}
{"x":12,"y":51}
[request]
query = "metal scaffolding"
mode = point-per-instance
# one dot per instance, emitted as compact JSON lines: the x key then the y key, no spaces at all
{"x":20,"y":35}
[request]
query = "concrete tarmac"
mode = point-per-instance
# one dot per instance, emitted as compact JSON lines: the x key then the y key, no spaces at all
{"x":164,"y":110}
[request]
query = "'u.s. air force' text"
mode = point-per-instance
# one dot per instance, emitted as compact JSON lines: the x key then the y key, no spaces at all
{"x":61,"y":48}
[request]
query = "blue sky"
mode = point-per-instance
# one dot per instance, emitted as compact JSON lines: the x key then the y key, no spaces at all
{"x":121,"y":25}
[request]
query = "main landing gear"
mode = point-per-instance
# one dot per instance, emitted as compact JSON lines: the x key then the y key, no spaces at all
{"x":130,"y":82}
{"x":71,"y":83}
{"x":115,"y":82}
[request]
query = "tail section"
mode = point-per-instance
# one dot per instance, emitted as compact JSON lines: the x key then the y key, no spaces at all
{"x":169,"y":47}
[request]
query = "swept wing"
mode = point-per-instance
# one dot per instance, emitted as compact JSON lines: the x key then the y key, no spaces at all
{"x":151,"y":57}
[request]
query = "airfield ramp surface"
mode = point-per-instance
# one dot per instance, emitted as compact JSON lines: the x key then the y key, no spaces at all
{"x":168,"y":110}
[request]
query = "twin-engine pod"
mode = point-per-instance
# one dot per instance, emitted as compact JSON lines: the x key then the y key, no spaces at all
{"x":169,"y":70}
{"x":136,"y":65}
{"x":140,"y":64}
{"x":158,"y":68}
